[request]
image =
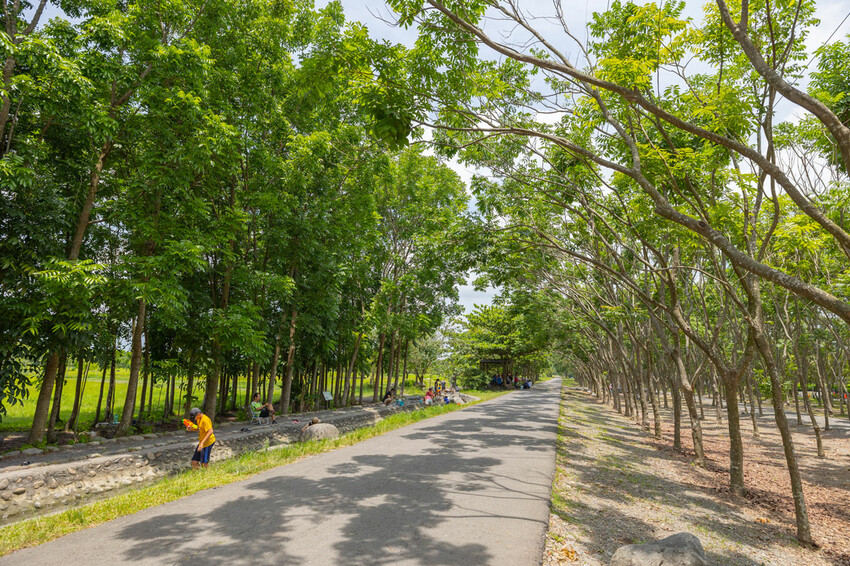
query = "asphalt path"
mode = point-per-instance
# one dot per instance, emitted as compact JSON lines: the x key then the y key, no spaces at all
{"x":467,"y":488}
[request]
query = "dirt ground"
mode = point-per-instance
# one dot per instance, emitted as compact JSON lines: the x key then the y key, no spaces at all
{"x":617,"y":485}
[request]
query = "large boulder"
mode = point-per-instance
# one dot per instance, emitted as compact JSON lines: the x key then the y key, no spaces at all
{"x":319,"y":431}
{"x":681,"y":549}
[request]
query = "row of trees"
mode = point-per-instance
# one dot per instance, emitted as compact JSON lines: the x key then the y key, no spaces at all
{"x":686,"y":235}
{"x":217,"y":187}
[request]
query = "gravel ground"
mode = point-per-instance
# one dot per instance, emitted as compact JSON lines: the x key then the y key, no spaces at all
{"x":616,"y":485}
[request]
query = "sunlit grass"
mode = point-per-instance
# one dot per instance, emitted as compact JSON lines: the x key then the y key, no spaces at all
{"x":43,"y":529}
{"x":19,"y":416}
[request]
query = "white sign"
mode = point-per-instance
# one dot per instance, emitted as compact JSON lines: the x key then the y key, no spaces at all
{"x":328,"y":395}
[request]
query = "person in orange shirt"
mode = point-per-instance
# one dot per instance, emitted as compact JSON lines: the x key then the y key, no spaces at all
{"x":206,"y":438}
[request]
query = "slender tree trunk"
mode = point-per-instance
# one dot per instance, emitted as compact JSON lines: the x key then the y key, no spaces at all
{"x":766,"y":351}
{"x":110,"y":392}
{"x":350,"y":371}
{"x":135,"y":365}
{"x":379,"y":370}
{"x":75,"y":410}
{"x":718,"y":404}
{"x":57,"y":396}
{"x":752,"y":407}
{"x":190,"y":384}
{"x":804,"y":366}
{"x":39,"y":420}
{"x":146,"y":371}
{"x":255,"y":381}
{"x":677,"y":418}
{"x":286,"y":386}
{"x":100,"y":395}
{"x":273,"y":374}
{"x":736,"y":446}
{"x":211,"y":387}
{"x":404,"y":369}
{"x":824,"y":389}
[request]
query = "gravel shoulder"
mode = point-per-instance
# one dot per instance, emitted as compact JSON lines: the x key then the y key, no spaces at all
{"x":615,"y":485}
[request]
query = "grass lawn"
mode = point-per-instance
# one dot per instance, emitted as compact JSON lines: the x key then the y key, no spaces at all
{"x":43,"y":529}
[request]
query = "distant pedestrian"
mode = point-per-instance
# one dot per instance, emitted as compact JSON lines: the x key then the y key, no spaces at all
{"x":206,"y":438}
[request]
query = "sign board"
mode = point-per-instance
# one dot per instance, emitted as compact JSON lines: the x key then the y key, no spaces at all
{"x":328,"y":395}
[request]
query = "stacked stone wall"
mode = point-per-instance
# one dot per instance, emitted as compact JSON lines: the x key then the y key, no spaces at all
{"x":47,"y":488}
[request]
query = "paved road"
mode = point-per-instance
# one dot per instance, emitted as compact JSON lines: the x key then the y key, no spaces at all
{"x":468,"y":488}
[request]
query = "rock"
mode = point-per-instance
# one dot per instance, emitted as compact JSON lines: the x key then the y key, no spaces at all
{"x":151,"y":456}
{"x":31,"y":451}
{"x":53,"y":483}
{"x":320,"y":431}
{"x":681,"y":549}
{"x":149,"y":435}
{"x":11,"y":454}
{"x":51,"y":449}
{"x":5,"y":496}
{"x":72,"y":471}
{"x":4,"y":483}
{"x":20,"y":490}
{"x":38,"y":485}
{"x":94,"y":455}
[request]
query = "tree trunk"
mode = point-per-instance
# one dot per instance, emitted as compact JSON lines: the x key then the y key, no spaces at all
{"x":110,"y":392}
{"x":804,"y":366}
{"x":379,"y":370}
{"x":752,"y":406}
{"x":273,"y":374}
{"x":57,"y":396}
{"x":39,"y":420}
{"x":135,"y":365}
{"x":404,"y":369}
{"x":211,"y":388}
{"x":190,"y":384}
{"x":146,"y":373}
{"x":736,"y":446}
{"x":100,"y":395}
{"x":75,"y":410}
{"x":286,"y":386}
{"x":677,"y":417}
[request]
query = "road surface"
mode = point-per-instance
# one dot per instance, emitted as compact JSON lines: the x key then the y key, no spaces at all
{"x":467,"y":488}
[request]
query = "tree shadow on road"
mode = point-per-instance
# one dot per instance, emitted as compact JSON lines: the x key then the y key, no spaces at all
{"x":375,"y":509}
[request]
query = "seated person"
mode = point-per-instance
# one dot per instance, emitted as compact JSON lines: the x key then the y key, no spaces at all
{"x":265,"y":411}
{"x":498,"y":381}
{"x":429,"y":397}
{"x":313,"y":421}
{"x":389,"y":397}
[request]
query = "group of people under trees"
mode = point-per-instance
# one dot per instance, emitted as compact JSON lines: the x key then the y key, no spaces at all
{"x":440,"y":391}
{"x":509,"y":381}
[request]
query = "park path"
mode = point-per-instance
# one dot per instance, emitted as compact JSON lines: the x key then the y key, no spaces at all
{"x":466,"y":488}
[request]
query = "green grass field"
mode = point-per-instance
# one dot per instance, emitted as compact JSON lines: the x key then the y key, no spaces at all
{"x":19,"y":417}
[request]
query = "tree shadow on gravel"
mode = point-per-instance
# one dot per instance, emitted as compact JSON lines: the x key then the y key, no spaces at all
{"x":623,"y":477}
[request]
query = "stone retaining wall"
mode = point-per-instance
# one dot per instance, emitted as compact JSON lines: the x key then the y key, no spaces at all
{"x":50,"y":488}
